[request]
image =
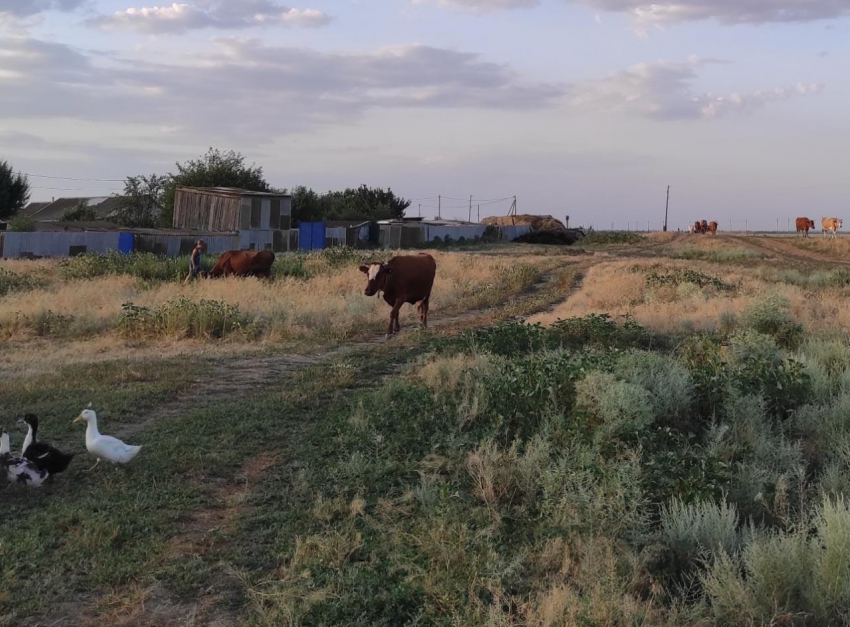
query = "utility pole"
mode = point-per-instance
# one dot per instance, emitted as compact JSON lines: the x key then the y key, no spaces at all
{"x":479,"y":214}
{"x":667,"y":210}
{"x":420,"y":209}
{"x":470,"y":208}
{"x":440,"y":207}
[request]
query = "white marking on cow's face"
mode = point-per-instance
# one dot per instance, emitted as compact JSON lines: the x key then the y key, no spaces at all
{"x":373,"y":271}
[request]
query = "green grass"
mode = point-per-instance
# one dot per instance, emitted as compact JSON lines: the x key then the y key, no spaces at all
{"x":611,"y":238}
{"x":724,"y":255}
{"x":499,"y":477}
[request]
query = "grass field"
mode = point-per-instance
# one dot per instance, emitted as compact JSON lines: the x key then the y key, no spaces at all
{"x":649,"y":432}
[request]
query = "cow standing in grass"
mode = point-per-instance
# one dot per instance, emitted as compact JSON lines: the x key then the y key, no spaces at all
{"x":403,"y":279}
{"x":804,"y":225}
{"x":712,"y":228}
{"x":244,"y":263}
{"x":831,"y":225}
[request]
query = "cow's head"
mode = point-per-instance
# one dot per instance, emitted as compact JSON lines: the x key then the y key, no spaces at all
{"x":811,"y":224}
{"x":377,"y":274}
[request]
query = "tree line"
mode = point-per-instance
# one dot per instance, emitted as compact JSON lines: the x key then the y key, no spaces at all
{"x":148,"y":200}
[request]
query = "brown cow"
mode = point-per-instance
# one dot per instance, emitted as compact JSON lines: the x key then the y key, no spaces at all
{"x":831,"y":224}
{"x":256,"y":263}
{"x":404,"y":279}
{"x":697,"y":227}
{"x":803,"y":226}
{"x":703,"y":227}
{"x":712,"y":228}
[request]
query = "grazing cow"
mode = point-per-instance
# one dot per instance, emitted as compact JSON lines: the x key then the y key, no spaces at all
{"x":712,"y":228}
{"x":831,"y":224}
{"x":703,"y":227}
{"x":404,"y":279}
{"x":256,"y":263}
{"x":803,"y":226}
{"x":697,"y":227}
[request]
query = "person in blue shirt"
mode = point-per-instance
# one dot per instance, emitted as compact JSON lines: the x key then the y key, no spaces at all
{"x":195,"y":267}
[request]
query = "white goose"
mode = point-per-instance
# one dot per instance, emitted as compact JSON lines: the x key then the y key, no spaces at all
{"x":18,"y":469}
{"x":105,"y":446}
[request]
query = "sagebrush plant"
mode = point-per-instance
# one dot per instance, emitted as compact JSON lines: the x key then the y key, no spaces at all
{"x":790,"y":576}
{"x":694,"y":531}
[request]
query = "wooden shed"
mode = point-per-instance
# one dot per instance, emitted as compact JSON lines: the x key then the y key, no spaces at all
{"x":228,"y":210}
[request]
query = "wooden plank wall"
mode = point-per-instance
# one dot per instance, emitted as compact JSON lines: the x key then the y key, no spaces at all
{"x":206,"y":212}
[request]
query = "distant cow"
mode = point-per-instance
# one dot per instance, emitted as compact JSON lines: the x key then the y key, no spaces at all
{"x":404,"y":279}
{"x":691,"y":229}
{"x":697,"y":227}
{"x":703,"y":226}
{"x":712,"y":228}
{"x":256,"y":263}
{"x":831,"y":224}
{"x":804,"y":225}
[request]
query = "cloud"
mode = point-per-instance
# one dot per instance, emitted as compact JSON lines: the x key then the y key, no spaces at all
{"x":222,"y":14}
{"x":664,"y":12}
{"x":27,"y":8}
{"x":664,"y":90}
{"x":243,"y":88}
{"x":485,"y":5}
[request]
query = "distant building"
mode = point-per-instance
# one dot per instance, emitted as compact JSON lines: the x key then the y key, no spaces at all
{"x":104,"y":207}
{"x":262,"y":220}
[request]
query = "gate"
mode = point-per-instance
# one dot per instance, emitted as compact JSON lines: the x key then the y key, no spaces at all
{"x":311,"y":236}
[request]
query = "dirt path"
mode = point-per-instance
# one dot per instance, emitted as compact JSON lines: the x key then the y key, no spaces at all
{"x":784,"y":250}
{"x":237,"y":377}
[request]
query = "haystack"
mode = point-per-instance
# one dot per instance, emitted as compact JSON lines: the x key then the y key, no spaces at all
{"x":537,"y":223}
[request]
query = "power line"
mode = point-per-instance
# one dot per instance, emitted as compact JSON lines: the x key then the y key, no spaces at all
{"x":77,"y":189}
{"x":68,"y":178}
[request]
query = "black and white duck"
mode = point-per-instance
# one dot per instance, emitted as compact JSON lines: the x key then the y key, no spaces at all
{"x":42,"y":455}
{"x":17,"y":469}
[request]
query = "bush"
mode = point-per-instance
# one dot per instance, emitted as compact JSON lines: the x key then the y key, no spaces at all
{"x":22,"y":224}
{"x":761,"y":368}
{"x":677,"y":277}
{"x":693,"y":531}
{"x":668,"y":383}
{"x":771,"y":317}
{"x":14,"y":282}
{"x":183,"y":318}
{"x":612,"y":237}
{"x":621,"y":408}
{"x":597,"y":330}
{"x":491,"y":235}
{"x":146,"y":266}
{"x":788,"y":577}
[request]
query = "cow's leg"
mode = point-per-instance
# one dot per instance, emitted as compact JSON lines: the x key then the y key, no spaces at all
{"x":394,"y":325}
{"x":423,"y":312}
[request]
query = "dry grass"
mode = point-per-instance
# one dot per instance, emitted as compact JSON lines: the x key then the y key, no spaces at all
{"x":329,"y":307}
{"x":615,"y":289}
{"x":836,"y":248}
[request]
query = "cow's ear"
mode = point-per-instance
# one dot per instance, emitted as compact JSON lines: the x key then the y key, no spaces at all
{"x":364,"y":269}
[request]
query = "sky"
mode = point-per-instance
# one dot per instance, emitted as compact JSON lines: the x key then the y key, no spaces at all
{"x":580,"y":108}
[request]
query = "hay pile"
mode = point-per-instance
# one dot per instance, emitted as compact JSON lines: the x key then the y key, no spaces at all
{"x":537,"y":223}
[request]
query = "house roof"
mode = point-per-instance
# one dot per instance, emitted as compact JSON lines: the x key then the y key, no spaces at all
{"x":33,"y":207}
{"x":104,"y":206}
{"x":232,"y":192}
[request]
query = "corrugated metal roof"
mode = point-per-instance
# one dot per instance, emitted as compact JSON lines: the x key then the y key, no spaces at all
{"x":232,"y":192}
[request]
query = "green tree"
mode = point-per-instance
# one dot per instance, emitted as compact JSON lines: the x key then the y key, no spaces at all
{"x":14,"y":191}
{"x":214,"y":169}
{"x":362,"y":203}
{"x":81,"y":212}
{"x":142,"y":202}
